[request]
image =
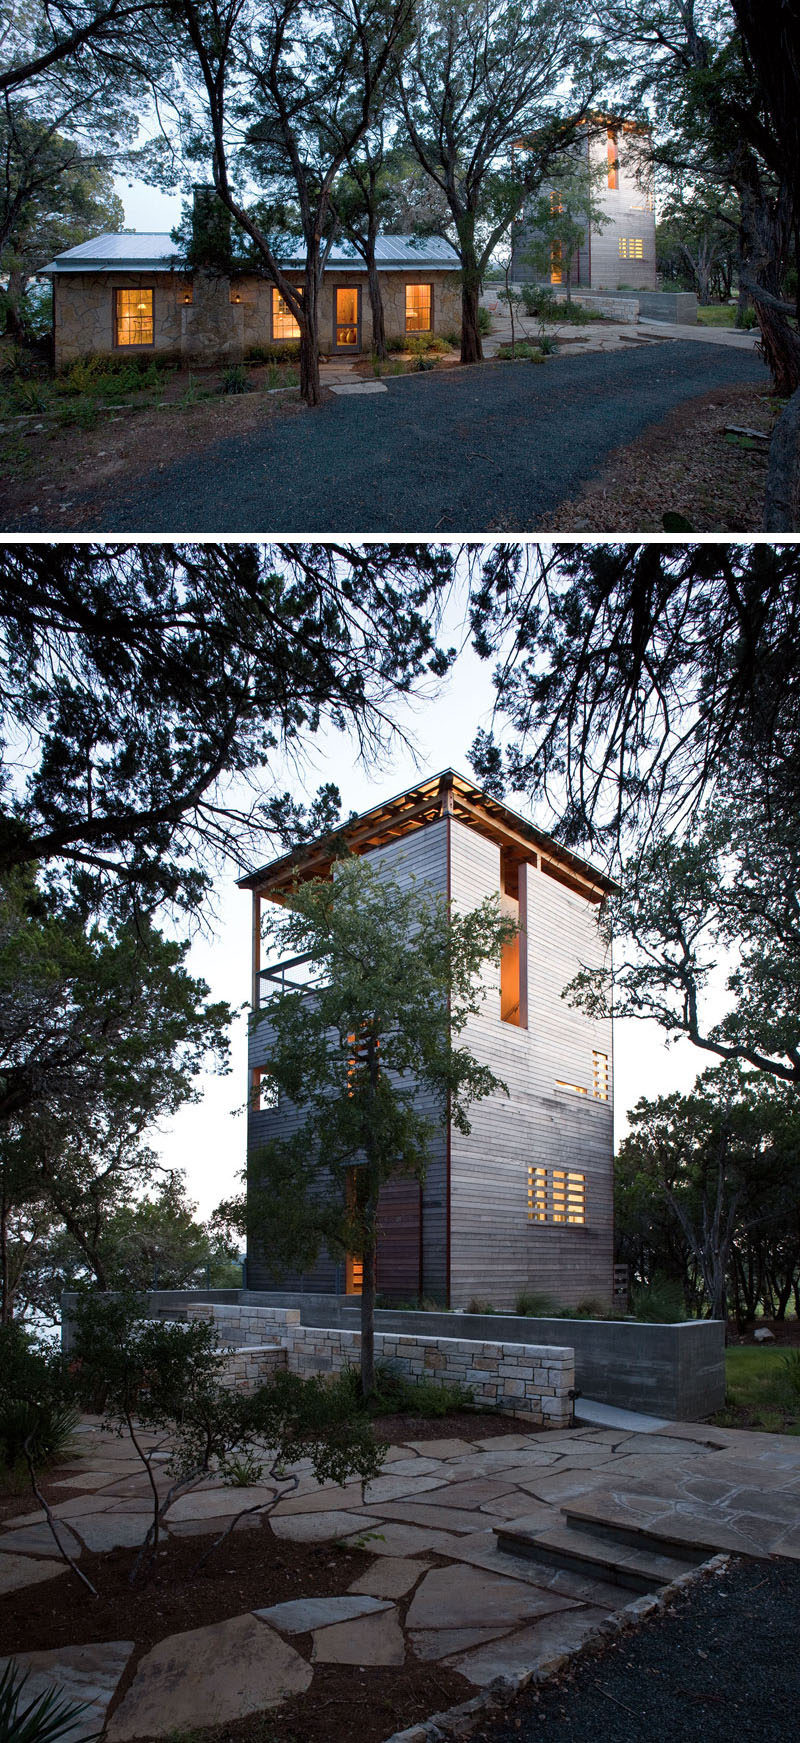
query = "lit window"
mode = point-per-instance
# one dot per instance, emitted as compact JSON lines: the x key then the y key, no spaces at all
{"x":568,"y":1196}
{"x":556,"y":264}
{"x":575,"y":1088}
{"x":631,"y":248}
{"x":560,"y":1199}
{"x":284,"y":325}
{"x":613,"y":158}
{"x":600,"y":1076}
{"x":134,"y":317}
{"x":537,"y":1195}
{"x":556,"y":204}
{"x":419,"y":298}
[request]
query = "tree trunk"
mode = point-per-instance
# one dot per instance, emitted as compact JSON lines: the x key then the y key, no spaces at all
{"x":779,"y":347}
{"x":471,"y":347}
{"x":309,"y":336}
{"x":376,"y":307}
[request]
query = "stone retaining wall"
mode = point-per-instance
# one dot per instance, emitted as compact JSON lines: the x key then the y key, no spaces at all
{"x":252,"y":1365}
{"x":524,"y":1379}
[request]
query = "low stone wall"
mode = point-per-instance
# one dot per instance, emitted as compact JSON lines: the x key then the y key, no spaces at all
{"x":525,"y":1380}
{"x":252,"y":1366}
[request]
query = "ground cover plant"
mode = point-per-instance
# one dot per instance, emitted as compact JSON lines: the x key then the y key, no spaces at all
{"x":762,"y":1389}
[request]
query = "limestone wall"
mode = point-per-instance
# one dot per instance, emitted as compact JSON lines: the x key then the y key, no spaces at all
{"x":250,"y":1367}
{"x":525,"y":1380}
{"x":224,"y":318}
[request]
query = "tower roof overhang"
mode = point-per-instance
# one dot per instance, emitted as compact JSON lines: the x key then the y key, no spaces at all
{"x":444,"y":795}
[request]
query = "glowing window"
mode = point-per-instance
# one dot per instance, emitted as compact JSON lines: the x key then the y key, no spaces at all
{"x":134,"y":317}
{"x":284,"y":325}
{"x":556,"y":204}
{"x":263,"y":1092}
{"x":613,"y":158}
{"x":419,"y":299}
{"x":556,"y":264}
{"x":631,"y":248}
{"x":600,"y":1076}
{"x":537,"y":1195}
{"x":568,"y":1196}
{"x":575,"y":1088}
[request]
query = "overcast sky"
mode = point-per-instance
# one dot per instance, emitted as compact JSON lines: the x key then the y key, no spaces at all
{"x":207,"y":1139}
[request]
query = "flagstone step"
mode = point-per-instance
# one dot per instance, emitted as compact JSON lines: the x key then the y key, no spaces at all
{"x":639,"y":1570}
{"x":691,"y":1537}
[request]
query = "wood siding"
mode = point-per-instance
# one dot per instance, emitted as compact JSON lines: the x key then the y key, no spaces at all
{"x":495,"y":1252}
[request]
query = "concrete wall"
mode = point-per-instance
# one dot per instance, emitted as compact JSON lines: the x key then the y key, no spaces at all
{"x":521,"y":1379}
{"x":213,"y":328}
{"x":677,"y":1371}
{"x":677,"y":306}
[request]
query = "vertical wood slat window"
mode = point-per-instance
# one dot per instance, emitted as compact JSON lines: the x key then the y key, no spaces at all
{"x":568,"y":1196}
{"x":630,"y":247}
{"x":612,"y":153}
{"x":559,"y":1199}
{"x":600,"y":1076}
{"x":133,"y":317}
{"x":419,"y":299}
{"x":556,"y":264}
{"x":537,"y":1195}
{"x":284,"y":325}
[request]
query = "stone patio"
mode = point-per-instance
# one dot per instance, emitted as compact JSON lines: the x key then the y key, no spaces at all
{"x":538,"y":1539}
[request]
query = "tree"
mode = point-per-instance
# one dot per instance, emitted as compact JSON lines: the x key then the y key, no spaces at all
{"x":560,"y":220}
{"x":361,"y":1057}
{"x":727,"y":888}
{"x":53,"y":197}
{"x":634,"y":678}
{"x":102,"y":1033}
{"x":157,"y":682}
{"x":723,"y":1161}
{"x":481,"y":76}
{"x":290,"y":89}
{"x":38,"y":39}
{"x":696,"y":240}
{"x":360,"y":198}
{"x":157,"y":1243}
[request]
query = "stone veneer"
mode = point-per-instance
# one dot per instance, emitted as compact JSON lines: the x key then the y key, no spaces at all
{"x":212,"y":328}
{"x":528,"y":1380}
{"x":252,"y":1365}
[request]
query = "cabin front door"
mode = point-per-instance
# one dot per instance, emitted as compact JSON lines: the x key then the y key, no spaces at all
{"x":347,"y":318}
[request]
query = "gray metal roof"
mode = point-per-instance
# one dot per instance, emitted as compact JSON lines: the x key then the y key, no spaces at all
{"x":154,"y":250}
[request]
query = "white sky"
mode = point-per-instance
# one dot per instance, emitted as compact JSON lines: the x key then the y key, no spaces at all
{"x":207,"y":1139}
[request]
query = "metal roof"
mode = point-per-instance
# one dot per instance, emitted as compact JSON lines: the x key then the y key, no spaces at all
{"x":154,"y":250}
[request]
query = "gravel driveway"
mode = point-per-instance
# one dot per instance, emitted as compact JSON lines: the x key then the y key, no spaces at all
{"x":721,"y":1664}
{"x":490,"y":449}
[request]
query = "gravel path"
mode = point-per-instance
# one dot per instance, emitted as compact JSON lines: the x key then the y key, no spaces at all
{"x":723,"y":1663}
{"x":491,"y":449}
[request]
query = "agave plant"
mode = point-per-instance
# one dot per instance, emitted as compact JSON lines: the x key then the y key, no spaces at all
{"x":44,"y":1719}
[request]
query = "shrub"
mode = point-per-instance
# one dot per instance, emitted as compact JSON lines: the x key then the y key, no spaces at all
{"x":533,"y":1304}
{"x":288,"y":352}
{"x":37,"y":1403}
{"x":523,"y":351}
{"x":44,"y":1719}
{"x":397,"y":1395}
{"x":235,"y":380}
{"x":659,"y":1300}
{"x":791,"y":1365}
{"x":484,"y":320}
{"x":453,"y":339}
{"x":420,"y":344}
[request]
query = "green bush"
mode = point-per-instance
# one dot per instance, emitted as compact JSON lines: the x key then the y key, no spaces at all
{"x":44,"y":1719}
{"x":484,"y":320}
{"x":421,"y":344}
{"x":660,"y":1300}
{"x":235,"y":380}
{"x":791,"y":1366}
{"x":288,"y":352}
{"x":522,"y":352}
{"x":539,"y":300}
{"x":37,"y":1401}
{"x":396,"y":1395}
{"x":532,"y":1304}
{"x":479,"y":1305}
{"x":453,"y":338}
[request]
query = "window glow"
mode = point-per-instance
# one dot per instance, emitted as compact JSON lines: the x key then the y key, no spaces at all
{"x":613,"y":158}
{"x":556,"y":264}
{"x":557,"y":1198}
{"x":600,"y":1076}
{"x":631,"y":248}
{"x":419,"y":298}
{"x":134,"y":317}
{"x":284,"y":325}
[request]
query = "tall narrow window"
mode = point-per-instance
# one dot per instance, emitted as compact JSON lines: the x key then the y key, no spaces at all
{"x":537,"y":1195}
{"x":613,"y":158}
{"x":513,"y":987}
{"x":263,"y":1092}
{"x":556,"y":264}
{"x":600,"y":1076}
{"x":284,"y":325}
{"x":354,"y":1264}
{"x":419,"y":302}
{"x":134,"y":317}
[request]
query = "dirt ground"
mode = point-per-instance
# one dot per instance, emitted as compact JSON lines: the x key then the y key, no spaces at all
{"x":685,"y":465}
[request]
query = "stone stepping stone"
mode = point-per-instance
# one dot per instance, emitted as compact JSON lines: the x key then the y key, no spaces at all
{"x":435,"y":1643}
{"x":302,"y":1615}
{"x":209,"y":1676}
{"x":445,"y":1449}
{"x":78,"y":1673}
{"x":466,"y":1596}
{"x":391,"y":1488}
{"x":360,"y":387}
{"x":417,"y":1513}
{"x":390,"y":1576}
{"x":17,"y":1571}
{"x":389,"y":1537}
{"x":104,"y":1531}
{"x":376,"y":1639}
{"x":548,"y":1643}
{"x":219,"y":1503}
{"x":39,"y":1540}
{"x":320,"y":1527}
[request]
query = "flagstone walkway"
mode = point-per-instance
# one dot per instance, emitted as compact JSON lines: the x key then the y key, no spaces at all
{"x":480,"y":1608}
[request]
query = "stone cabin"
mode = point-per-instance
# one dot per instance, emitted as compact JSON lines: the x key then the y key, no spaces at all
{"x":621,"y":251}
{"x":135,"y":294}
